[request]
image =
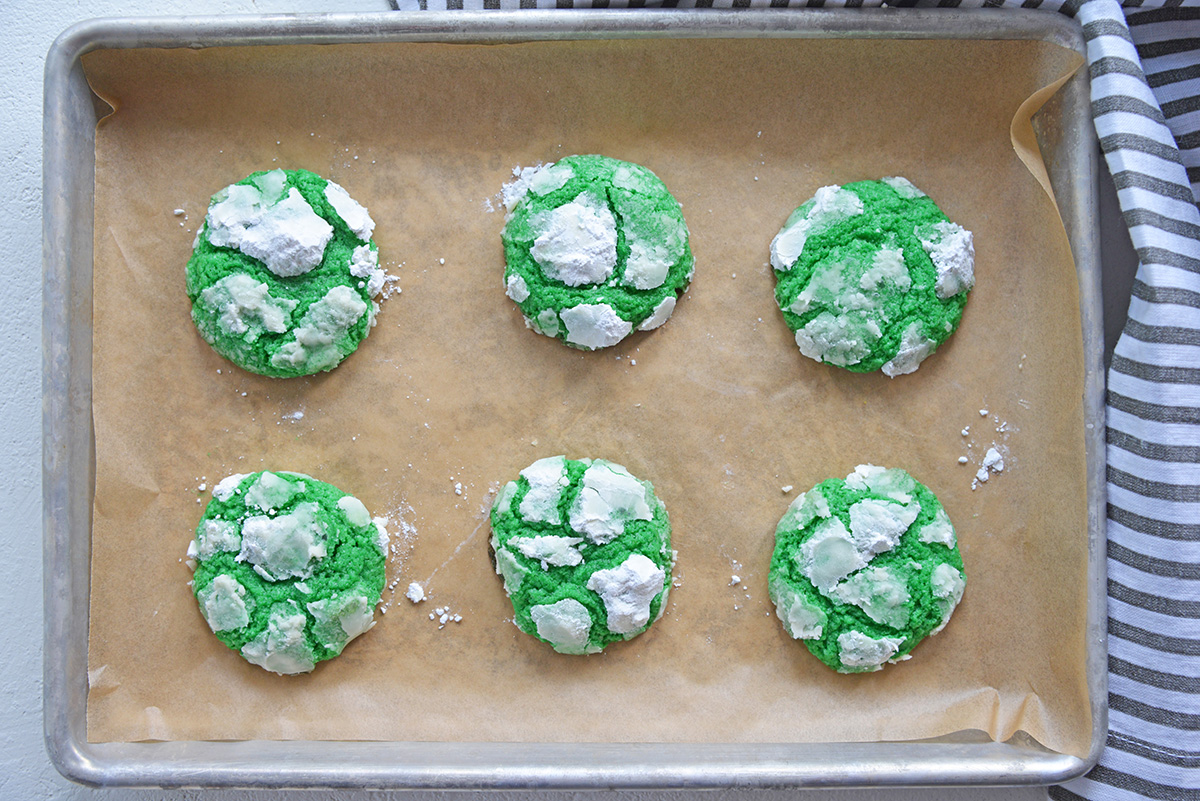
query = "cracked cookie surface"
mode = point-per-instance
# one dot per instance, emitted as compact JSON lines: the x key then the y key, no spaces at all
{"x":872,"y":276}
{"x":595,"y":248}
{"x":864,"y":568}
{"x":288,"y":569}
{"x":584,"y":550}
{"x":283,"y":274}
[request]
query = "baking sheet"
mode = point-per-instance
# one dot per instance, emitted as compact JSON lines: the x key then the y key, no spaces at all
{"x":719,"y":411}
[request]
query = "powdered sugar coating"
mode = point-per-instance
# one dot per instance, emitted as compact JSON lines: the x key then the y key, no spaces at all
{"x":864,"y":568}
{"x":283,"y":276}
{"x":288,"y":569}
{"x":595,"y":248}
{"x":584,"y":550}
{"x":872,"y":276}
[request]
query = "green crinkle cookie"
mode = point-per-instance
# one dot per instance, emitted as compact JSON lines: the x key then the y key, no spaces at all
{"x":865,"y":568}
{"x":288,"y":568}
{"x":283,"y":274}
{"x":595,"y":248}
{"x":872,"y":276}
{"x":584,"y":549}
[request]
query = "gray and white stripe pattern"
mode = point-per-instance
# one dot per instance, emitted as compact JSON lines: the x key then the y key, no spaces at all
{"x":1144,"y":62}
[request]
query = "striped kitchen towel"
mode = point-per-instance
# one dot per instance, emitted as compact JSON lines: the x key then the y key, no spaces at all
{"x":1144,"y":61}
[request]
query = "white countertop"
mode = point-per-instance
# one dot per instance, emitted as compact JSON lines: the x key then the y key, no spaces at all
{"x":26,"y":772}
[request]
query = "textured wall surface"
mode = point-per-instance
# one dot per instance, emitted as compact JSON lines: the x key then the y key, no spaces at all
{"x":25,"y":771}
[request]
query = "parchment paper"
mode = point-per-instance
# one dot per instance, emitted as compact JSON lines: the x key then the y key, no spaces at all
{"x":451,"y":394}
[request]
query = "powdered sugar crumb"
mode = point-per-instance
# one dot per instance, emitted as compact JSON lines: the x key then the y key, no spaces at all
{"x":736,"y":581}
{"x":390,"y":285}
{"x":402,"y":538}
{"x":993,"y":462}
{"x":994,"y":453}
{"x":512,"y":192}
{"x":443,"y":615}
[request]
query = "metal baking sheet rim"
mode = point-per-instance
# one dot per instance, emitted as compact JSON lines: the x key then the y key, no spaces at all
{"x":70,"y":115}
